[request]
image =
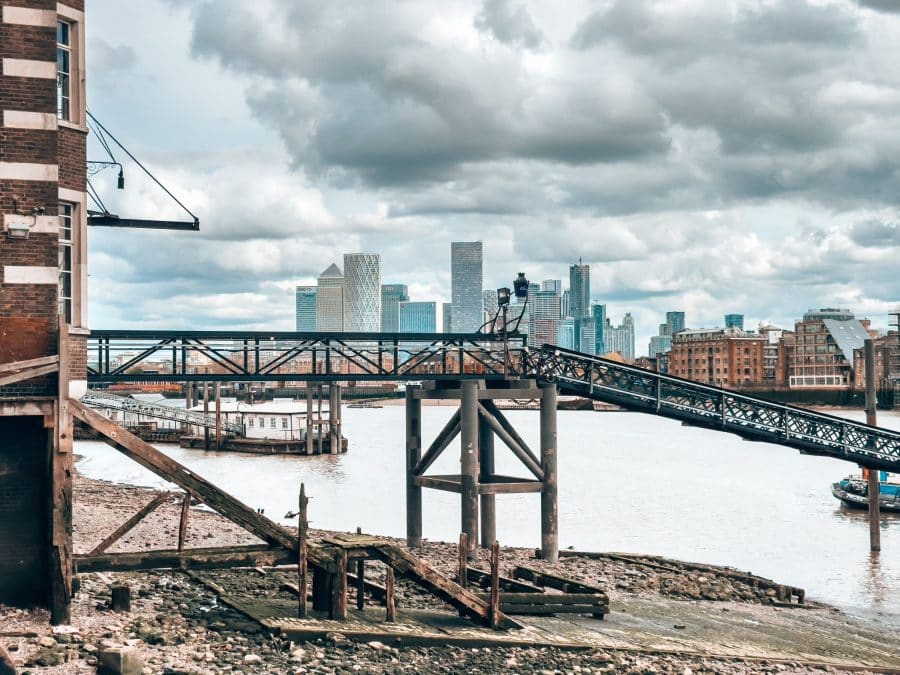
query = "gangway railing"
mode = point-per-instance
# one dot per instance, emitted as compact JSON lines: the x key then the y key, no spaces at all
{"x":702,"y":405}
{"x":242,"y":356}
{"x":106,"y":400}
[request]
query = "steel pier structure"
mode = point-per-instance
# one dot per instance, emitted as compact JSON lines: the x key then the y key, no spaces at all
{"x":477,"y":369}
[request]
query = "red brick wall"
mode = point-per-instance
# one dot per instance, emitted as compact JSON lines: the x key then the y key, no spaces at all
{"x":72,"y":159}
{"x":77,"y":357}
{"x":27,"y":42}
{"x":24,"y":488}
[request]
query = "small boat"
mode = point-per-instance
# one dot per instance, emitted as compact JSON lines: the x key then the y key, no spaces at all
{"x":854,"y":492}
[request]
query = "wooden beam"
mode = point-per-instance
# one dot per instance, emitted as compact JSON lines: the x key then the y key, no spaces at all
{"x":451,"y":592}
{"x":27,"y":374}
{"x":198,"y":558}
{"x":15,"y":366}
{"x":446,"y":483}
{"x":129,"y":524}
{"x":200,"y":488}
{"x":183,"y":521}
{"x":519,"y":450}
{"x":60,"y":485}
{"x":509,"y":487}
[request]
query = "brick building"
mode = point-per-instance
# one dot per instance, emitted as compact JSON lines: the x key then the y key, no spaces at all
{"x":821,"y":349}
{"x":42,"y":291}
{"x":724,"y":357}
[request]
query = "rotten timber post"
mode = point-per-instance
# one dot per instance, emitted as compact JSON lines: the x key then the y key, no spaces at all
{"x":183,"y":521}
{"x":463,"y":569}
{"x":486,"y":472}
{"x":218,"y":415}
{"x":360,"y":580}
{"x":549,"y":506}
{"x":413,"y":455}
{"x":206,"y":414}
{"x":469,"y":463}
{"x":495,"y":586}
{"x":874,"y":488}
{"x":332,"y":419}
{"x":390,"y":603}
{"x":61,"y":491}
{"x":302,"y":567}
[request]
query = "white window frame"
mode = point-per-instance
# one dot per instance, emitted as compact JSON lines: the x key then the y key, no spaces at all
{"x":76,"y":115}
{"x":78,"y":202}
{"x":64,"y":53}
{"x":68,"y":212}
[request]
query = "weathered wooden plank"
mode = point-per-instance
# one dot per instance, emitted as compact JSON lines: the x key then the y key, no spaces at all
{"x":483,"y":580}
{"x":548,"y":609}
{"x":131,"y":523}
{"x":198,"y":558}
{"x":200,"y":488}
{"x":495,"y":585}
{"x":521,"y":451}
{"x":429,"y":578}
{"x":586,"y":599}
{"x":61,"y":485}
{"x":28,"y":374}
{"x":510,"y":487}
{"x":441,"y":441}
{"x":15,"y":366}
{"x":183,"y":520}
{"x":389,"y":600}
{"x":553,"y":581}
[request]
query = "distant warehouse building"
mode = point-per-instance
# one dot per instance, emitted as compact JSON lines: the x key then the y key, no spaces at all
{"x":724,"y":357}
{"x":821,"y":350}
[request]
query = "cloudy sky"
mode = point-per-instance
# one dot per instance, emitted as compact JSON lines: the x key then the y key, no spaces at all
{"x":710,"y":156}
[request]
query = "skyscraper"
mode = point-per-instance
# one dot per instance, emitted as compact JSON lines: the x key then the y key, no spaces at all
{"x":579,"y":297}
{"x":675,"y":322}
{"x":544,"y":318}
{"x":598,"y":314}
{"x":362,"y":292}
{"x":662,"y":343}
{"x":466,"y":286}
{"x":552,"y":286}
{"x":330,"y":300}
{"x":391,"y":297}
{"x":489,"y":299}
{"x":418,"y":317}
{"x":734,"y":321}
{"x":305,"y":312}
{"x":621,"y":338}
{"x":446,"y":317}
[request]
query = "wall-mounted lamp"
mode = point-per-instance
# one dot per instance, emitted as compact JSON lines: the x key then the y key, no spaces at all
{"x":18,"y":229}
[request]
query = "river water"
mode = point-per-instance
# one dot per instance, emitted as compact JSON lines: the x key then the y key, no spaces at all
{"x":627,"y":482}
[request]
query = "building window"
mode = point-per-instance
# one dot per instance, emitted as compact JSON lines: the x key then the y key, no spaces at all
{"x":251,"y":422}
{"x":271,"y":422}
{"x":262,"y":422}
{"x":66,"y":214}
{"x":64,"y":70}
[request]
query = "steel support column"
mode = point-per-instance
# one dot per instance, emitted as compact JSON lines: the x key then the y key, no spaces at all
{"x":413,"y":455}
{"x":549,"y":506}
{"x":486,"y":470}
{"x":218,"y":415}
{"x":469,"y":462}
{"x":873,"y":482}
{"x":308,"y":445}
{"x":206,"y":413}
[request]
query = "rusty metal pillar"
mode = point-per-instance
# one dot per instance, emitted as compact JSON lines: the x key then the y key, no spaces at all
{"x":549,"y":504}
{"x":469,"y":462}
{"x":218,"y":415}
{"x":320,"y":437}
{"x":873,"y":483}
{"x":413,"y":455}
{"x":206,"y":414}
{"x":486,"y":471}
{"x":308,"y":444}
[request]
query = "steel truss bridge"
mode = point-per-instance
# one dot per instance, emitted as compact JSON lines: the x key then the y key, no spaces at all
{"x":97,"y":398}
{"x":122,"y":356}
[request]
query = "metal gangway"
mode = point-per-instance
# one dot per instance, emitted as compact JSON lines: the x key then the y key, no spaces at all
{"x":753,"y":418}
{"x":104,"y":400}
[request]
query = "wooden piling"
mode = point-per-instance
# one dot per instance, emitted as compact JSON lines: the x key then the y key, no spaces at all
{"x":469,"y":462}
{"x":332,"y":420}
{"x":495,"y":585}
{"x":391,"y":614}
{"x":60,"y":451}
{"x":218,"y":415}
{"x":413,"y":455}
{"x":339,"y":588}
{"x":206,"y":414}
{"x":121,"y":598}
{"x":183,"y":522}
{"x":463,"y":573}
{"x":360,"y":580}
{"x":871,"y":419}
{"x":549,"y":505}
{"x":302,"y":567}
{"x":485,"y":472}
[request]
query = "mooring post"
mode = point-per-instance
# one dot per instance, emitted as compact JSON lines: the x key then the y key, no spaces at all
{"x":308,"y":445}
{"x":462,"y":572}
{"x":332,"y":419}
{"x":302,"y":569}
{"x":338,"y":409}
{"x":495,"y":585}
{"x":549,"y":506}
{"x":874,"y":489}
{"x":485,"y":472}
{"x":218,"y":415}
{"x":206,"y":414}
{"x":413,"y":455}
{"x":469,"y":462}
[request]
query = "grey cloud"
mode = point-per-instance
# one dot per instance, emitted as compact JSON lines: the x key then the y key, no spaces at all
{"x":876,"y":233}
{"x":105,"y":57}
{"x":881,"y":5}
{"x":510,"y":24}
